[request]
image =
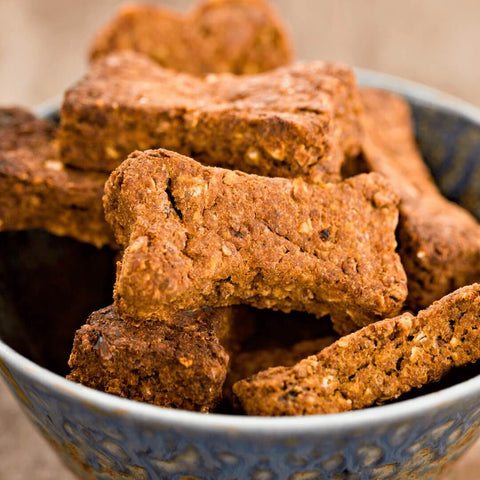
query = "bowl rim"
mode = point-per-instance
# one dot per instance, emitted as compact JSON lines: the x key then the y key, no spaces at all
{"x":271,"y":426}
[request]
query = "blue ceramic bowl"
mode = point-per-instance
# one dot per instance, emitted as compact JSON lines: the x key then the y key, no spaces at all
{"x":102,"y":436}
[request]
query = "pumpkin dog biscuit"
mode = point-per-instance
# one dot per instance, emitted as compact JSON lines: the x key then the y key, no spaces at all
{"x":301,"y":120}
{"x":39,"y":191}
{"x":237,"y":36}
{"x":181,"y":363}
{"x":439,"y":241}
{"x":196,"y":235}
{"x":372,"y":365}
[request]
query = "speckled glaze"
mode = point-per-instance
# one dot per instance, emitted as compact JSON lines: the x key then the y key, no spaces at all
{"x":102,"y":436}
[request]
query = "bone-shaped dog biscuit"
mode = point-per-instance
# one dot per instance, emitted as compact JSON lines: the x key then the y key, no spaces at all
{"x":196,"y":236}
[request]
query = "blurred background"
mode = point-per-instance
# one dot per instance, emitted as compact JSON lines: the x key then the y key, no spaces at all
{"x":43,"y":46}
{"x":43,"y":42}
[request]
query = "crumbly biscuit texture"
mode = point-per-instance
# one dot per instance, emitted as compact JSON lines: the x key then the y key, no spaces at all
{"x":181,"y":363}
{"x":196,"y":235}
{"x":302,"y":120}
{"x":250,"y":362}
{"x":373,"y":365}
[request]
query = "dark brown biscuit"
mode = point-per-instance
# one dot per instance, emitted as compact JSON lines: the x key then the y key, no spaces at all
{"x":439,"y":241}
{"x":297,"y":121}
{"x":372,"y":365}
{"x":237,"y":36}
{"x":196,"y":235}
{"x":181,"y":363}
{"x":39,"y":191}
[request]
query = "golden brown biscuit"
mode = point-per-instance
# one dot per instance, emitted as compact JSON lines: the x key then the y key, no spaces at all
{"x":247,"y":363}
{"x":236,"y":36}
{"x":439,"y":241}
{"x":196,"y":236}
{"x":301,"y":120}
{"x":373,"y":365}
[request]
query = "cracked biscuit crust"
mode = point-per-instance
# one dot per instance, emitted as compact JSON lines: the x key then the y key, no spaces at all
{"x":196,"y":235}
{"x":237,"y":36}
{"x":38,"y":191}
{"x":301,"y":120}
{"x":373,"y":365}
{"x":439,"y":242}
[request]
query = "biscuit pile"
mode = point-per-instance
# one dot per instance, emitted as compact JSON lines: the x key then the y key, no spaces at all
{"x":252,"y":214}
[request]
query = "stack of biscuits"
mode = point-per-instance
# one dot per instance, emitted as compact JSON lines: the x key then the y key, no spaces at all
{"x":283,"y":249}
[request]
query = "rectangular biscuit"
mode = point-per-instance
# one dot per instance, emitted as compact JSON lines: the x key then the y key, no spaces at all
{"x":196,"y":235}
{"x":301,"y":120}
{"x":373,"y":365}
{"x":237,"y":36}
{"x":182,"y":363}
{"x":439,"y":242}
{"x":38,"y":191}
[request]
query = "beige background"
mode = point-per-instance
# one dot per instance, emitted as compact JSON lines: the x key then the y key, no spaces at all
{"x":42,"y":51}
{"x":43,"y":42}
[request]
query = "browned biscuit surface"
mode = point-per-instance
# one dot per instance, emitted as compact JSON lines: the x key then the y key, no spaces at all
{"x":39,"y":191}
{"x":237,"y":36}
{"x":301,"y":120}
{"x":439,"y":241}
{"x":372,"y":365}
{"x":181,"y":363}
{"x":196,"y":235}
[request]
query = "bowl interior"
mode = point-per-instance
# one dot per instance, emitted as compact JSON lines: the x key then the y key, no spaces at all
{"x":48,"y":287}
